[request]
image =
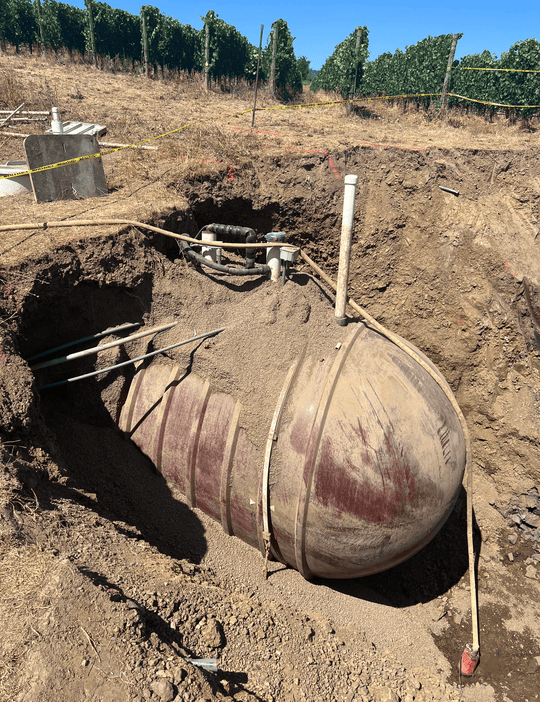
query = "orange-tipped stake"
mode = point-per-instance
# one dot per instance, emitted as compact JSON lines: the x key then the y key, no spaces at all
{"x":469,"y":660}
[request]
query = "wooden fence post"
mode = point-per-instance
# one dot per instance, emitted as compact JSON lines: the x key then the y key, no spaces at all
{"x":88,"y":4}
{"x":206,"y":55}
{"x":448,"y":69}
{"x":358,"y":41}
{"x":145,"y":43}
{"x":257,"y":76}
{"x":38,"y":8}
{"x":349,"y":106}
{"x":272,"y":85}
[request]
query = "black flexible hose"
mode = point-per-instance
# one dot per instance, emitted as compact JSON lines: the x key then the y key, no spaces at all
{"x":235,"y":232}
{"x":197,"y":258}
{"x":251,"y":238}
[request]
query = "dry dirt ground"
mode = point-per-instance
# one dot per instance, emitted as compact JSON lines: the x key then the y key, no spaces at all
{"x":109,"y":583}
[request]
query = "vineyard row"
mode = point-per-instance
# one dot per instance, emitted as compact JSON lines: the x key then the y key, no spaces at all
{"x":420,"y":70}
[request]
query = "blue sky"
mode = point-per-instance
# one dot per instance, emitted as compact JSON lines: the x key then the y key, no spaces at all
{"x":319,"y":25}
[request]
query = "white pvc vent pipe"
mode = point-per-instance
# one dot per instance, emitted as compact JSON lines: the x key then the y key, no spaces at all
{"x":209,"y":252}
{"x":345,"y":248}
{"x":56,"y":123}
{"x":273,"y":259}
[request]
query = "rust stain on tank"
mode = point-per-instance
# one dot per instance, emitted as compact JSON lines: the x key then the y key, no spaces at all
{"x":211,"y":446}
{"x":300,"y":434}
{"x":349,"y":491}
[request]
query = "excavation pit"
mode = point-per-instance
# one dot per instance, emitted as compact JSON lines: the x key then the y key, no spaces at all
{"x":254,"y":314}
{"x":416,"y":281}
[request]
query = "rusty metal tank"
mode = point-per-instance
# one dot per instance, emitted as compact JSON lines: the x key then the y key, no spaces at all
{"x":363,"y":460}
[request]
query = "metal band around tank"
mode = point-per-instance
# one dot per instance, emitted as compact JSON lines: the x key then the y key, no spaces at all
{"x":226,"y":470}
{"x":313,"y":445}
{"x":263,"y":520}
{"x":132,"y":400}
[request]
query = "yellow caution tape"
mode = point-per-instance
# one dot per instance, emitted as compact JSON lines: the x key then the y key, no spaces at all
{"x":495,"y":104}
{"x":342,"y":102}
{"x":78,"y":159}
{"x":393,"y":97}
{"x":512,"y":70}
{"x":119,"y":148}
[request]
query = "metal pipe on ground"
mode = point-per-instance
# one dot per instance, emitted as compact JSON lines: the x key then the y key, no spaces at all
{"x":107,"y":332}
{"x":209,"y":664}
{"x":6,"y":120}
{"x":345,"y":248}
{"x":101,"y":143}
{"x":132,"y":360}
{"x":14,"y":134}
{"x":98,"y":349}
{"x":28,"y":112}
{"x":449,"y":190}
{"x":28,"y":119}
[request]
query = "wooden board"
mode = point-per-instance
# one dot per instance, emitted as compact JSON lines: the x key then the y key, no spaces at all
{"x":72,"y":182}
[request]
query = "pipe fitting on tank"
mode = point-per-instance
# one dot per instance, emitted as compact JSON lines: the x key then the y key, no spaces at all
{"x":56,"y":123}
{"x":234,"y":232}
{"x":273,"y":259}
{"x":287,"y":254}
{"x":209,"y":252}
{"x":229,"y":270}
{"x":345,"y":248}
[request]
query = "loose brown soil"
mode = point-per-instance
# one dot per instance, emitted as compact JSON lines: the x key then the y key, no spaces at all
{"x":110,"y":583}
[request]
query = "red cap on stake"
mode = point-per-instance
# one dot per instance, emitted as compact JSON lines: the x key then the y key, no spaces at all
{"x":469,"y":660}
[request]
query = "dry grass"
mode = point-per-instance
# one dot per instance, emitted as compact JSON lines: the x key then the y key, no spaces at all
{"x":145,"y":184}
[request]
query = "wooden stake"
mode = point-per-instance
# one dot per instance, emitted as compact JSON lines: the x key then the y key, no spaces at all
{"x":358,"y":41}
{"x":272,"y":84}
{"x":349,"y":106}
{"x":257,"y":76}
{"x":38,"y":8}
{"x":88,"y":4}
{"x":448,"y":69}
{"x":145,"y":43}
{"x":206,"y":55}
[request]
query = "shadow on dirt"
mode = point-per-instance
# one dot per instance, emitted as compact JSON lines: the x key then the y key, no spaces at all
{"x":98,"y":460}
{"x":149,"y":620}
{"x":362,"y":112}
{"x":92,"y":453}
{"x":236,"y":210}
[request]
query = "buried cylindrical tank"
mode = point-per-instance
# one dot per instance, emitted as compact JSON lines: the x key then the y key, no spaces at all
{"x":363,"y":459}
